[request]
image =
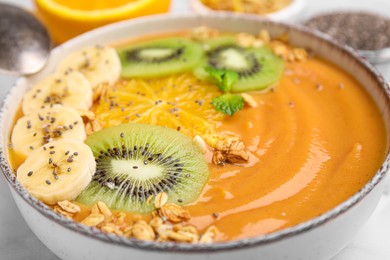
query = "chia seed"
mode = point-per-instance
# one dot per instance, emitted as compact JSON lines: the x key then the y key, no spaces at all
{"x":360,"y":30}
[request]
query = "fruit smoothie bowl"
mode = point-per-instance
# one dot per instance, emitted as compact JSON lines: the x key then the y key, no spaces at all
{"x":197,"y":136}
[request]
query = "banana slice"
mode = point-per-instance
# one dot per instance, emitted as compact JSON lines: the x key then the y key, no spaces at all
{"x":45,"y":125}
{"x":58,"y":171}
{"x":70,"y":89}
{"x":99,"y":64}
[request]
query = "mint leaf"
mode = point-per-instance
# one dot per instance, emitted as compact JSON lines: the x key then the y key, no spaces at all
{"x":228,"y":103}
{"x":224,"y":79}
{"x":229,"y":79}
{"x":215,"y":74}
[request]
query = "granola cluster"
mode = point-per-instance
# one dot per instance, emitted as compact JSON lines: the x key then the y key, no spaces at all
{"x":279,"y":46}
{"x":167,"y":223}
{"x":90,"y":122}
{"x":203,"y":33}
{"x":66,"y":208}
{"x":247,"y":40}
{"x":249,"y":100}
{"x":227,"y":149}
{"x":288,"y":53}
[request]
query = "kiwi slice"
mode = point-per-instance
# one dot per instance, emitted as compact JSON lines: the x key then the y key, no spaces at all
{"x":135,"y":161}
{"x":258,"y":68}
{"x":160,"y":57}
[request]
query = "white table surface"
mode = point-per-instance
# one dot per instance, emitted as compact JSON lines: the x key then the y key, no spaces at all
{"x":372,"y":242}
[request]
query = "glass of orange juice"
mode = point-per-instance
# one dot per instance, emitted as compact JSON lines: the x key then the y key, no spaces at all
{"x":66,"y":19}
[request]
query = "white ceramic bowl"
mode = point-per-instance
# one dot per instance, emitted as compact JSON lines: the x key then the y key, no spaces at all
{"x":318,"y":238}
{"x":290,"y":13}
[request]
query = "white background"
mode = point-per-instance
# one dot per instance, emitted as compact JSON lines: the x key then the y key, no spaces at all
{"x":372,"y":242}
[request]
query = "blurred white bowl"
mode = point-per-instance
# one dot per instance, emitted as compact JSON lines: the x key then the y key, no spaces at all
{"x":290,"y":13}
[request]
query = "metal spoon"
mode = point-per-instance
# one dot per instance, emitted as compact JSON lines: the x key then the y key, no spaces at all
{"x":24,"y":42}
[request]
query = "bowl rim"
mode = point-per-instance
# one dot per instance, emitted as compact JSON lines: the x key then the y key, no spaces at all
{"x":167,"y":247}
